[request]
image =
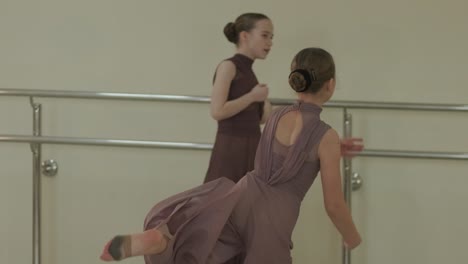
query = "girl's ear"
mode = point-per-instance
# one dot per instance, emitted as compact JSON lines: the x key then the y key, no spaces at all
{"x":331,"y":85}
{"x":243,"y":35}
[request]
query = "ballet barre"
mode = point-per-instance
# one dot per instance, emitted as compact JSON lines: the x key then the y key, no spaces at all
{"x":130,"y":143}
{"x":205,"y":99}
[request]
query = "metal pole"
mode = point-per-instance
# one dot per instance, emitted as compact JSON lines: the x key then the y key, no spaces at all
{"x":107,"y":142}
{"x":36,"y":150}
{"x":378,"y":153}
{"x":206,"y":99}
{"x":347,"y":182}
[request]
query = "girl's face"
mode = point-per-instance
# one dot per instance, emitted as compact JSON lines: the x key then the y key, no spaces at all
{"x":260,"y":39}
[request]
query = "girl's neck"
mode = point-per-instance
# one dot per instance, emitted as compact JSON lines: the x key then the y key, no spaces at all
{"x":246,"y":53}
{"x":309,"y":98}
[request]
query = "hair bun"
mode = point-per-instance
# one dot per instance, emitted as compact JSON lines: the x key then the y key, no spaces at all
{"x":230,"y":32}
{"x":299,"y":80}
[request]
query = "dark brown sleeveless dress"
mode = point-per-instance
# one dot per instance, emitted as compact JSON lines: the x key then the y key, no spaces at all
{"x":238,"y":136}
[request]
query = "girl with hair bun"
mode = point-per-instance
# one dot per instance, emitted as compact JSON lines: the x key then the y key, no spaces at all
{"x":238,"y":101}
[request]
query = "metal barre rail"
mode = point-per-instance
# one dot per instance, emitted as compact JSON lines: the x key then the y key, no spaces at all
{"x":204,"y":99}
{"x":207,"y":146}
{"x":104,"y":142}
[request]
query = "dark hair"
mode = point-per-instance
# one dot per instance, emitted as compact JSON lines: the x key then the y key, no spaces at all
{"x":310,"y":69}
{"x":244,"y":22}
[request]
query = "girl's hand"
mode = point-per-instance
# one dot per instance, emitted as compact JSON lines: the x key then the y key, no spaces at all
{"x":351,"y":146}
{"x":259,"y":93}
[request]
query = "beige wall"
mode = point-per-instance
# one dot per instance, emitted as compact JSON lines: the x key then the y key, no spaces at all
{"x":409,"y":211}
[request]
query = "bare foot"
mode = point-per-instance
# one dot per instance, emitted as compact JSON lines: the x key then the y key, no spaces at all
{"x":147,"y":243}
